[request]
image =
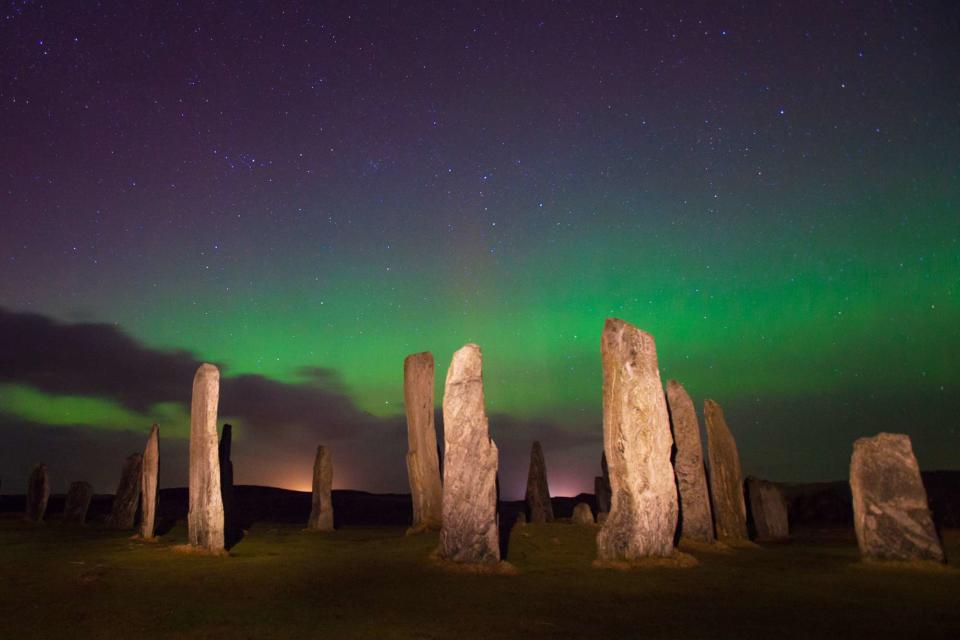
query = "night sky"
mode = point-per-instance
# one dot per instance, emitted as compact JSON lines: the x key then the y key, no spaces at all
{"x":305,"y":193}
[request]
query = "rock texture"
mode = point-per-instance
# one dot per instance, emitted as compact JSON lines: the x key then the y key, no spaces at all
{"x":78,"y":502}
{"x":469,"y":532}
{"x":226,"y":475}
{"x":149,"y":478}
{"x":423,"y":464}
{"x":768,"y":510}
{"x":205,"y":516}
{"x":582,"y":514}
{"x":601,"y":487}
{"x":696,"y":519}
{"x":538,"y":491}
{"x":726,"y":480}
{"x":890,"y":510}
{"x":123,"y":513}
{"x":38,"y":492}
{"x":638,"y":445}
{"x":321,"y":513}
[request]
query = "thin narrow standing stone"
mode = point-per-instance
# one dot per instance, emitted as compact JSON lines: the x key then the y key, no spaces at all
{"x":601,"y":487}
{"x":768,"y":510}
{"x":638,"y":445}
{"x":123,"y":513}
{"x":423,"y":465}
{"x":205,"y":517}
{"x":226,"y":475}
{"x":726,"y":479}
{"x":321,"y":514}
{"x":149,"y":483}
{"x":78,"y":502}
{"x":696,"y":520}
{"x":538,"y":491}
{"x":890,"y":510}
{"x":469,"y":533}
{"x":38,"y":492}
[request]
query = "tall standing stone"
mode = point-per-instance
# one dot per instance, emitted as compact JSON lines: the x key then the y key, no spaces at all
{"x":78,"y":502}
{"x":726,"y":479}
{"x":226,"y":475}
{"x":123,"y":513}
{"x":638,"y":445}
{"x":538,"y":491}
{"x":890,"y":509}
{"x":696,"y":520}
{"x":149,"y":479}
{"x":321,"y":513}
{"x":601,"y":487}
{"x":423,"y":466}
{"x":768,"y":510}
{"x":205,"y":516}
{"x":38,"y":492}
{"x":470,"y":530}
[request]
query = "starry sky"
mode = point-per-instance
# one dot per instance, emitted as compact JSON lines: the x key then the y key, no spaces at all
{"x":304,"y":193}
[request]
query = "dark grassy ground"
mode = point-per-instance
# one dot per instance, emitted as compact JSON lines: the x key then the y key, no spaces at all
{"x":280,"y":582}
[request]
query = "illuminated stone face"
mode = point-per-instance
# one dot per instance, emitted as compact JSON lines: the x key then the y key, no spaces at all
{"x":726,"y":479}
{"x":125,"y":501}
{"x":205,"y":517}
{"x":582,"y":514}
{"x":423,"y":465}
{"x":538,"y":491}
{"x":696,"y":520}
{"x":148,"y":484}
{"x":321,"y":511}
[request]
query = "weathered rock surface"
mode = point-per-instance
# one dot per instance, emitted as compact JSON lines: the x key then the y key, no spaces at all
{"x":321,"y":513}
{"x":149,"y":478}
{"x":423,"y":465}
{"x":469,"y":531}
{"x":638,"y":445}
{"x":726,"y":479}
{"x":582,"y":514}
{"x":123,"y":513}
{"x":77,"y":504}
{"x":601,"y":487}
{"x":38,"y":492}
{"x":890,"y":510}
{"x":538,"y":491}
{"x":768,"y":510}
{"x":205,"y":516}
{"x":226,"y":475}
{"x":696,"y":519}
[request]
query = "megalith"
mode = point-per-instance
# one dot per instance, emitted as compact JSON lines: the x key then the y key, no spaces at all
{"x":38,"y":492}
{"x":205,"y":516}
{"x":582,"y":514}
{"x":423,"y":465}
{"x":726,"y":479}
{"x":226,"y":475}
{"x":149,"y":479}
{"x":696,"y":520}
{"x":768,"y":510}
{"x":77,"y":504}
{"x":601,"y":487}
{"x":538,"y":491}
{"x":321,"y":512}
{"x":123,"y":513}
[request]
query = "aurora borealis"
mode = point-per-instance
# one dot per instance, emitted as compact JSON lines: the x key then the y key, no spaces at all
{"x":305,"y":195}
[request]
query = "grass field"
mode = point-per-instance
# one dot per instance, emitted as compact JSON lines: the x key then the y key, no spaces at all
{"x":281,"y":582}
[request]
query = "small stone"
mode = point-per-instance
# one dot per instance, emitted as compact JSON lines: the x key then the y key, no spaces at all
{"x":582,"y":514}
{"x":78,"y":502}
{"x":205,"y":521}
{"x":38,"y":492}
{"x":538,"y":492}
{"x":726,"y":480}
{"x":321,"y":512}
{"x":149,"y":478}
{"x":423,"y":461}
{"x":696,"y":520}
{"x":123,"y":513}
{"x":768,"y":510}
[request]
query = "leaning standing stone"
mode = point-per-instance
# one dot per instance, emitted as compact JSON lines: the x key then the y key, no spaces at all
{"x":726,"y":480}
{"x":582,"y":514}
{"x":768,"y":510}
{"x":205,"y":516}
{"x":538,"y":491}
{"x":423,"y":465}
{"x":38,"y":492}
{"x":125,"y":502}
{"x":890,"y":510}
{"x":148,"y":484}
{"x":696,"y":521}
{"x":638,"y":445}
{"x":78,"y":502}
{"x":321,"y":513}
{"x":469,"y":532}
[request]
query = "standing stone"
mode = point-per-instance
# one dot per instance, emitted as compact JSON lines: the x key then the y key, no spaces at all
{"x":38,"y":492}
{"x":127,"y":499}
{"x":638,"y":445}
{"x":696,"y":520}
{"x":601,"y":487}
{"x":768,"y":510}
{"x":321,"y":514}
{"x":582,"y":514}
{"x":890,"y":509}
{"x":78,"y":502}
{"x":226,"y":475}
{"x":423,"y":466}
{"x":538,"y":491}
{"x":149,"y":483}
{"x":205,"y":516}
{"x":726,"y":479}
{"x":469,"y":532}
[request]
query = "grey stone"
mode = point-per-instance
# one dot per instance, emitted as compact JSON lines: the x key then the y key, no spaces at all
{"x":469,"y":532}
{"x":696,"y":520}
{"x":768,"y":510}
{"x":726,"y":479}
{"x":205,"y":521}
{"x":538,"y":491}
{"x":638,"y":446}
{"x":78,"y":502}
{"x":582,"y":514}
{"x":423,"y":464}
{"x":321,"y":512}
{"x":149,"y":479}
{"x":123,"y":513}
{"x":38,"y":492}
{"x":890,"y":509}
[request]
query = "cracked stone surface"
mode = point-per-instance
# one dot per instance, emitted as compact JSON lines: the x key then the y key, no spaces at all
{"x":768,"y":510}
{"x":696,"y":518}
{"x":149,"y":478}
{"x":726,"y":479}
{"x":205,"y":517}
{"x":423,"y":462}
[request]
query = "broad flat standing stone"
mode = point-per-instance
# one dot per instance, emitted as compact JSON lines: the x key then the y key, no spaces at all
{"x":768,"y":510}
{"x":38,"y":492}
{"x":469,"y":532}
{"x":638,"y":445}
{"x":601,"y":487}
{"x":148,"y":484}
{"x":205,"y":516}
{"x":726,"y":479}
{"x":123,"y":513}
{"x":321,"y":513}
{"x":582,"y":514}
{"x":696,"y":519}
{"x":423,"y":464}
{"x":226,"y":474}
{"x":538,"y":491}
{"x":890,"y":509}
{"x":78,"y":502}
